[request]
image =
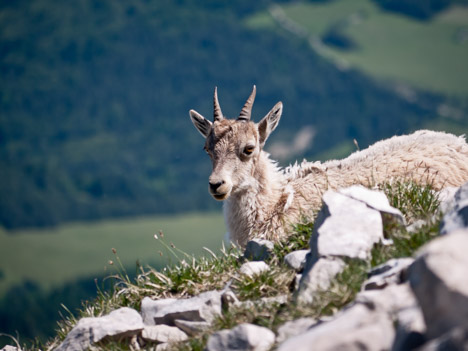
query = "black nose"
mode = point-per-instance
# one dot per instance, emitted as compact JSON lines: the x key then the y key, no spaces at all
{"x":214,"y":186}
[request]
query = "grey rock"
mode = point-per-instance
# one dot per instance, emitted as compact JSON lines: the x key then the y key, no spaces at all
{"x":10,"y":348}
{"x":162,"y":347}
{"x":294,"y":328}
{"x":438,"y":278}
{"x":399,"y":303}
{"x":446,"y":198}
{"x":245,"y":337}
{"x":415,"y":226}
{"x":258,"y":249}
{"x":201,"y":308}
{"x":345,"y":227}
{"x":253,"y":268}
{"x":410,"y":329}
{"x":391,"y":272}
{"x":318,"y":277}
{"x":163,"y":333}
{"x":229,"y":298}
{"x":124,"y":322}
{"x":296,"y":259}
{"x":297,"y":281}
{"x":374,"y":199}
{"x":358,"y":327}
{"x":191,"y":328}
{"x":456,"y":216}
{"x":392,"y":299}
{"x":454,"y":340}
{"x":265,"y":301}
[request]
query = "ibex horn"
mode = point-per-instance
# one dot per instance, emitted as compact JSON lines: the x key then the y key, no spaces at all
{"x":247,"y":109}
{"x":218,"y":115}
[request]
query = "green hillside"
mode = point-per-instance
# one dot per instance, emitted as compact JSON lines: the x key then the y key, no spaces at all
{"x":50,"y":257}
{"x":95,"y":96}
{"x":43,"y":270}
{"x":429,"y":55}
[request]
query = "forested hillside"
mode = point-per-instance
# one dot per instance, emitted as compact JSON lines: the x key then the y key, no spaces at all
{"x":95,"y":95}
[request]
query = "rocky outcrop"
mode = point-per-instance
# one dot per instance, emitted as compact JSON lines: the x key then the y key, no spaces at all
{"x":296,"y":259}
{"x":456,"y":211}
{"x":251,"y":269}
{"x":439,"y":279}
{"x":246,"y":337}
{"x":201,"y":308}
{"x":405,"y":304}
{"x":359,"y":327}
{"x":258,"y":249}
{"x":348,"y":225}
{"x":122,"y":323}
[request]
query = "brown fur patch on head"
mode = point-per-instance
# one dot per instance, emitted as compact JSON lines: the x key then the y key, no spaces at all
{"x":231,"y":131}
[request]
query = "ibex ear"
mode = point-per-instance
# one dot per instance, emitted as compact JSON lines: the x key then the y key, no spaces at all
{"x":269,"y":122}
{"x":200,"y":122}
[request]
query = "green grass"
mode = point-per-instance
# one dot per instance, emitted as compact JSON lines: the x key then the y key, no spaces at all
{"x":427,"y":55}
{"x":51,"y":257}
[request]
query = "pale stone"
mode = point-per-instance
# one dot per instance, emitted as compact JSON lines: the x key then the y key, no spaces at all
{"x":456,"y":216}
{"x":251,"y":269}
{"x":258,"y":249}
{"x":296,"y":259}
{"x":10,"y":348}
{"x":318,"y":278}
{"x":163,"y":333}
{"x":245,"y":337}
{"x":374,"y":199}
{"x":438,"y":278}
{"x":356,"y":328}
{"x":191,"y":328}
{"x":124,"y":322}
{"x":388,"y":273}
{"x":345,"y":227}
{"x":201,"y":308}
{"x":294,"y":328}
{"x":454,"y":340}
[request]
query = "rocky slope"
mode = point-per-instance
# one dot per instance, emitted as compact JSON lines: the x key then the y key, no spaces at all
{"x":401,"y":303}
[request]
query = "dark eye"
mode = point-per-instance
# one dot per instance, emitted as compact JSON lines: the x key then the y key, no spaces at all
{"x":249,"y":149}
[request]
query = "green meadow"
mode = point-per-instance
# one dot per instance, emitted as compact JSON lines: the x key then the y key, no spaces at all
{"x":430,"y":55}
{"x":52,"y":257}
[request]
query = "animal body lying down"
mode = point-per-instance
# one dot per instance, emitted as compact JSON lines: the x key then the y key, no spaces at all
{"x":262,"y":201}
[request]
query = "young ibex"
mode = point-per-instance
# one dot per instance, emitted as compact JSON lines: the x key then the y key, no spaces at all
{"x":262,"y":200}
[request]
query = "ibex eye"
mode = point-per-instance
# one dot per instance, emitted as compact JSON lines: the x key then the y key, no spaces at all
{"x":249,"y":149}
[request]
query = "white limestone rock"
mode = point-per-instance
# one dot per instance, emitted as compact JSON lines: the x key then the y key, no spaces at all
{"x":258,"y":249}
{"x":124,"y":322}
{"x":201,"y":308}
{"x":374,"y":199}
{"x":456,"y":212}
{"x":190,"y":327}
{"x":438,"y":278}
{"x":294,"y":328}
{"x":355,"y":328}
{"x":253,"y":268}
{"x":245,"y":337}
{"x":318,"y":277}
{"x":163,"y":334}
{"x":345,"y":227}
{"x":296,"y":259}
{"x":390,"y":272}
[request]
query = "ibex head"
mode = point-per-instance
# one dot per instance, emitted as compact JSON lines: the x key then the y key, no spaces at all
{"x":234,"y":145}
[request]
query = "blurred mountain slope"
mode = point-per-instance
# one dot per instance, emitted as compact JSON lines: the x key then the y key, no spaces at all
{"x":94,"y":98}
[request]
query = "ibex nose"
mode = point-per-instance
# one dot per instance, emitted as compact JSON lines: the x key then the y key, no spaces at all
{"x":214,"y":186}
